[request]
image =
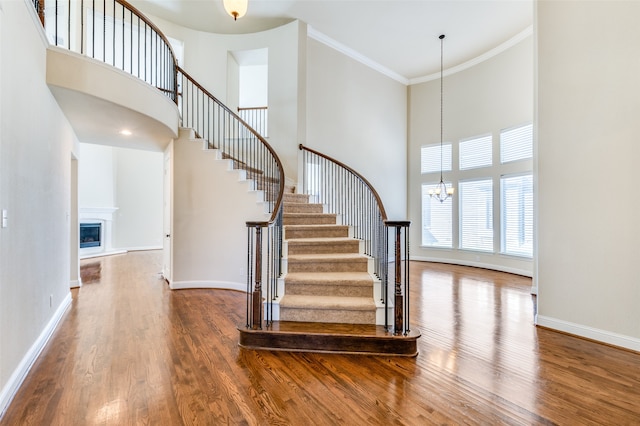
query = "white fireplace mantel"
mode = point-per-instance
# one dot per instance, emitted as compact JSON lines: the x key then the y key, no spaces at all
{"x":101,"y":213}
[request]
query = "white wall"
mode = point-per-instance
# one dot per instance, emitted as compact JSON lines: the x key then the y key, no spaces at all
{"x":233,"y":83}
{"x":139,"y":195}
{"x":588,"y":198}
{"x":36,"y":143}
{"x":210,"y":210}
{"x":96,"y":176}
{"x":488,"y":97}
{"x":359,"y":117}
{"x":130,"y":180}
{"x":254,"y":91}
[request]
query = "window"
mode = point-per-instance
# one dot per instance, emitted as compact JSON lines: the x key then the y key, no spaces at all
{"x":516,"y":143}
{"x":436,"y":219}
{"x":476,"y":215}
{"x":474,"y":170}
{"x":476,"y":152}
{"x":430,"y":158}
{"x":517,"y":215}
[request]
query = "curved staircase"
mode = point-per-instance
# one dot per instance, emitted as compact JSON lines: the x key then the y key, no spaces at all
{"x":315,"y":282}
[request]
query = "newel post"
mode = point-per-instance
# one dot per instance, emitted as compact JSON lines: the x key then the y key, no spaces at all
{"x":256,"y":296}
{"x":399,"y":300}
{"x":254,"y":274}
{"x":400,"y":277}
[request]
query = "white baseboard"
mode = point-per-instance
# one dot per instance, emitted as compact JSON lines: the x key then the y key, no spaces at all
{"x":492,"y":267}
{"x":19,"y":374}
{"x":102,"y":253}
{"x":603,"y":336}
{"x":142,"y":248}
{"x":119,"y":251}
{"x":75,"y":283}
{"x":222,"y":285}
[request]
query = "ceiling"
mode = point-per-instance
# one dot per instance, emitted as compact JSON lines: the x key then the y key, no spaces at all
{"x":398,"y":37}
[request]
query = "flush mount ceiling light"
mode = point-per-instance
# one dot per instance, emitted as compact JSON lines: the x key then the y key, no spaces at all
{"x":236,"y":8}
{"x":441,"y":192}
{"x":125,"y":132}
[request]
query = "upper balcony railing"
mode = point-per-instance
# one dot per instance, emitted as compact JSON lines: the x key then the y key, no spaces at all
{"x":114,"y":32}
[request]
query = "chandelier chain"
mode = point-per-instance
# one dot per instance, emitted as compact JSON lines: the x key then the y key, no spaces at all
{"x":441,"y":100}
{"x":441,"y":192}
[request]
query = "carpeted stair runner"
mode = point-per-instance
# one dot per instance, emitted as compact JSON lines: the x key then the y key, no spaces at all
{"x":328,"y":278}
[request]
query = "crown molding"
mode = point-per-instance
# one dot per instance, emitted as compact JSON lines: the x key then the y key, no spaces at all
{"x":322,"y":38}
{"x":475,"y":61}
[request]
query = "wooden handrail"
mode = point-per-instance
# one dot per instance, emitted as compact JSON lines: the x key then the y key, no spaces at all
{"x":397,"y":223}
{"x":251,"y":108}
{"x":362,"y":178}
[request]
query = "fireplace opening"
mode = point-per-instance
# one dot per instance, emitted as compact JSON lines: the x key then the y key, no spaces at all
{"x":90,"y":234}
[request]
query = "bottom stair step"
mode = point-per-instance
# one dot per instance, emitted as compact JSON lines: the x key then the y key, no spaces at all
{"x":329,"y":338}
{"x":328,"y":309}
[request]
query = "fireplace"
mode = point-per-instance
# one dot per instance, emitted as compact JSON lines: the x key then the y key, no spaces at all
{"x":90,"y":235}
{"x":96,"y":229}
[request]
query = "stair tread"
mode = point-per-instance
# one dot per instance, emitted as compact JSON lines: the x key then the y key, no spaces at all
{"x":328,"y":256}
{"x":305,"y":214}
{"x":325,"y":225}
{"x":317,"y":240}
{"x":329,"y":278}
{"x":327,"y":302}
{"x":303,"y":208}
{"x":294,"y":196}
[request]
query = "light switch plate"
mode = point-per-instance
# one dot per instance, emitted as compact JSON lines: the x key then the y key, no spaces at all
{"x":4,"y":218}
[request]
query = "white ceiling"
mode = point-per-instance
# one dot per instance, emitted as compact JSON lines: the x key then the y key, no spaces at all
{"x":399,"y":37}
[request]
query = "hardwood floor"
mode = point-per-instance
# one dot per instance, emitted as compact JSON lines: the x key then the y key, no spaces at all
{"x":130,"y":351}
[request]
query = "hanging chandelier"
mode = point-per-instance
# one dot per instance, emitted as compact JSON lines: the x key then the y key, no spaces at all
{"x":441,"y":192}
{"x":236,"y":8}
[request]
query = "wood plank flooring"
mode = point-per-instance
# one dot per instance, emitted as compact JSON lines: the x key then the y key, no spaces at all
{"x":132,"y":352}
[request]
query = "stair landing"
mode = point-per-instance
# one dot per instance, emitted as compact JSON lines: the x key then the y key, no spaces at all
{"x":363,"y":339}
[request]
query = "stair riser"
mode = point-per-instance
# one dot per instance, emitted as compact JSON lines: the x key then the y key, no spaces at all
{"x":329,"y":290}
{"x":310,"y":220}
{"x":323,"y":248}
{"x":294,"y":265}
{"x":350,"y":344}
{"x":328,"y":232}
{"x":327,"y":315}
